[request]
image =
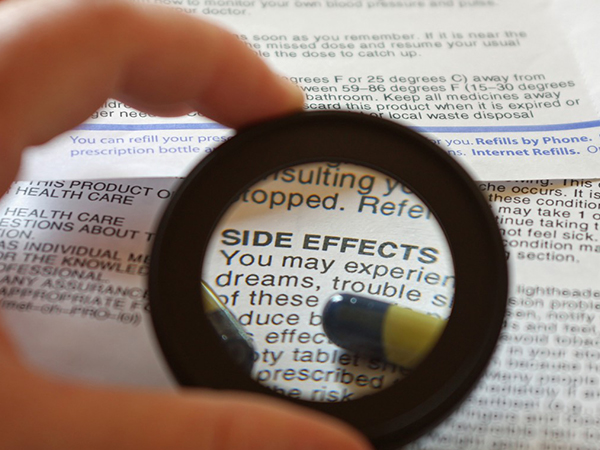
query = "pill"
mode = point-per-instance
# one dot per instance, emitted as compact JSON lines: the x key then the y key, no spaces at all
{"x":381,"y":330}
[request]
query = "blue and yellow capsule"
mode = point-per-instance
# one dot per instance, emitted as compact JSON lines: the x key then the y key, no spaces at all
{"x":381,"y":330}
{"x":233,"y":336}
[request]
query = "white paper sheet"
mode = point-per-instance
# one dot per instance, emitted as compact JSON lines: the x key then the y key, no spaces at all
{"x":73,"y":259}
{"x":498,"y":84}
{"x":540,"y":392}
{"x":78,"y":320}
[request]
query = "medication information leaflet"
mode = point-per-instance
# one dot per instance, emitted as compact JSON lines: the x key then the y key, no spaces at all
{"x":74,"y":255}
{"x":497,"y":84}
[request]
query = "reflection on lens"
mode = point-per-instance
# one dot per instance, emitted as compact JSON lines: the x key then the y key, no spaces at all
{"x":307,"y":233}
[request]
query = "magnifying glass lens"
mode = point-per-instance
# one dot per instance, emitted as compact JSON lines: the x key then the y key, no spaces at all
{"x":303,"y":260}
{"x":328,"y":281}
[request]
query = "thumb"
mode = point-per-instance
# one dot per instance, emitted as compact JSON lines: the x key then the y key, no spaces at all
{"x":67,"y":417}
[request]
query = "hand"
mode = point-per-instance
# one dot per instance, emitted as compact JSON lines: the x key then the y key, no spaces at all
{"x":59,"y":61}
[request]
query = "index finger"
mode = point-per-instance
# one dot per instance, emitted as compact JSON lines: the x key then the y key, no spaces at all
{"x":61,"y":59}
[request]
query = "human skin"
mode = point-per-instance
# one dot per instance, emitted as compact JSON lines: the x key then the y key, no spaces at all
{"x":59,"y":61}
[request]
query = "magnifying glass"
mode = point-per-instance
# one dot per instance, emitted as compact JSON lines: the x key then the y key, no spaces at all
{"x":335,"y":260}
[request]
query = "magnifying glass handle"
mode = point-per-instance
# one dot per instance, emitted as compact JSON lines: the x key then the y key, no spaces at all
{"x":381,"y":330}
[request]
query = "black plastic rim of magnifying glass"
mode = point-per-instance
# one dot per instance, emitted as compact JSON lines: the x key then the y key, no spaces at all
{"x":406,"y":410}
